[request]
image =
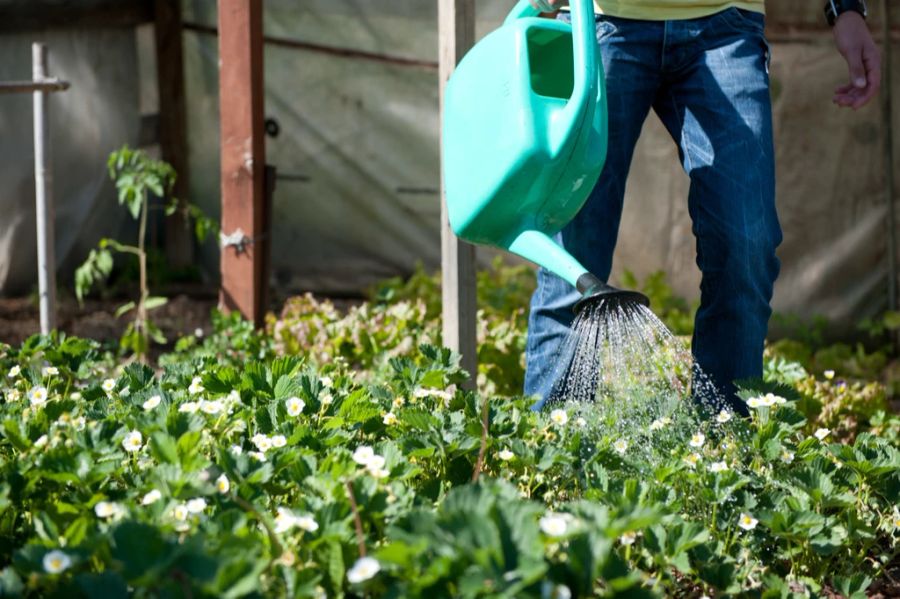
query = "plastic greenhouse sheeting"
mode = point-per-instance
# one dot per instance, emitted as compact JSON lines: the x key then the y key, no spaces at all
{"x":87,"y":121}
{"x":357,"y":155}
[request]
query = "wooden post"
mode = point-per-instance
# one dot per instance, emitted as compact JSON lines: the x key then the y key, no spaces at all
{"x":456,"y":29}
{"x":43,"y":193}
{"x":173,"y":124}
{"x":243,"y":157}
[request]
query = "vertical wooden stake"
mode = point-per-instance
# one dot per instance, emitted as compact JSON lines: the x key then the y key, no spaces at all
{"x":456,"y":29}
{"x":43,"y":192}
{"x":173,"y":124}
{"x":888,"y":139}
{"x":243,"y":156}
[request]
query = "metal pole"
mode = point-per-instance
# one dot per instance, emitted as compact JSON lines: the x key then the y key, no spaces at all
{"x":43,"y":191}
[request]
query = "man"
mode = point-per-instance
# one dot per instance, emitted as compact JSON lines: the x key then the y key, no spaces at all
{"x":702,"y":66}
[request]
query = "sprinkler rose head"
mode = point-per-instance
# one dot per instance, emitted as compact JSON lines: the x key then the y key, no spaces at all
{"x":594,"y":290}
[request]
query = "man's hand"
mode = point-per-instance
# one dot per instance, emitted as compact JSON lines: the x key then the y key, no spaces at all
{"x":856,"y":45}
{"x":546,"y":5}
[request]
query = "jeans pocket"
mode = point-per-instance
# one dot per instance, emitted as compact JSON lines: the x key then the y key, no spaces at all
{"x":743,"y":20}
{"x":602,"y":23}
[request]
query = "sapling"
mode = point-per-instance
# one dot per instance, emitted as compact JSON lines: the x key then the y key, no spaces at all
{"x":137,"y":176}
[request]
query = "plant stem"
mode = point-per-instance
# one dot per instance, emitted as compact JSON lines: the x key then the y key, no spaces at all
{"x":479,"y":463}
{"x":357,"y":521}
{"x":140,"y":321}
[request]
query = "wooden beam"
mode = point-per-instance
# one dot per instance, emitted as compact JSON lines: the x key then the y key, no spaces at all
{"x":456,"y":32}
{"x":32,"y":15}
{"x":173,"y":124}
{"x":243,"y":156}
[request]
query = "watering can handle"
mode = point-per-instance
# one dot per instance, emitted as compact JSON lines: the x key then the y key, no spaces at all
{"x":584,"y":45}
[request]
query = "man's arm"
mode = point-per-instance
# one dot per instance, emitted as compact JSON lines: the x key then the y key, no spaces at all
{"x":855,"y":43}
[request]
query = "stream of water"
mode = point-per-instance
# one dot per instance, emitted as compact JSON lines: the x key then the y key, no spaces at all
{"x":621,"y":363}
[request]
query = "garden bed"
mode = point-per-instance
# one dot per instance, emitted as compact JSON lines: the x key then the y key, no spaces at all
{"x":339,"y":454}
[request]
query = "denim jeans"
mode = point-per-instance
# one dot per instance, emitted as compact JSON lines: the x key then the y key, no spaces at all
{"x":707,"y":80}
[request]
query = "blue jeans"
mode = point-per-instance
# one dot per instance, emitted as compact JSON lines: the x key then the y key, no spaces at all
{"x":707,"y":80}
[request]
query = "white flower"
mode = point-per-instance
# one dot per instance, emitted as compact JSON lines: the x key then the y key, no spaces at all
{"x":389,"y":419}
{"x":279,"y":441}
{"x":223,"y":485}
{"x":829,"y":374}
{"x":776,"y":399}
{"x":378,"y":472}
{"x":692,"y":460}
{"x":821,"y":433}
{"x":180,"y":512}
{"x":49,"y":371}
{"x":306,"y":523}
{"x":506,"y":455}
{"x":398,"y":402}
{"x":660,"y":423}
{"x":196,"y":505}
{"x":41,"y":441}
{"x":257,"y":455}
{"x":326,"y":382}
{"x":13,"y":395}
{"x":262,"y":442}
{"x":295,"y":405}
{"x":79,"y":423}
{"x":37,"y":395}
{"x":56,"y":561}
{"x":628,"y":538}
{"x":211,"y":407}
{"x":364,"y":569}
{"x":559,"y":417}
{"x":723,"y":417}
{"x":558,"y":591}
{"x":747,"y":522}
{"x":375,"y":466}
{"x":326,"y":399}
{"x":198,"y":332}
{"x":580,"y":422}
{"x":196,"y":386}
{"x":697,"y":440}
{"x":152,"y":402}
{"x":133,"y":441}
{"x":755,"y":402}
{"x":109,"y":385}
{"x":363,"y":454}
{"x":554,"y":525}
{"x":107,"y":509}
{"x":285,"y":520}
{"x":151,"y":497}
{"x":787,"y":456}
{"x":14,"y":371}
{"x":189,"y":406}
{"x":236,"y":450}
{"x":620,"y":446}
{"x":718,"y":467}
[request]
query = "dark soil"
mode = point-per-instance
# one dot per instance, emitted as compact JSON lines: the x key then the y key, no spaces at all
{"x":183,"y":314}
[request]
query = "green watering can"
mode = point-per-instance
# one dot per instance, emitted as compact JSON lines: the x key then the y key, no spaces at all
{"x":524,"y":139}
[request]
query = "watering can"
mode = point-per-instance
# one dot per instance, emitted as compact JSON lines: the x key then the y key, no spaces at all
{"x":524,"y":140}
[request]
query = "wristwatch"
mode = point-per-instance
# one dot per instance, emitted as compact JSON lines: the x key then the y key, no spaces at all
{"x":835,"y":8}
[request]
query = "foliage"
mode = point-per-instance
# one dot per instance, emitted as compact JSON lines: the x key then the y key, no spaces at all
{"x":272,"y":478}
{"x":405,"y":314}
{"x":136,"y":177}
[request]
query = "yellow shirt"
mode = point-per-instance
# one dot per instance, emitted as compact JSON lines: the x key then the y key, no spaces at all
{"x":664,"y":10}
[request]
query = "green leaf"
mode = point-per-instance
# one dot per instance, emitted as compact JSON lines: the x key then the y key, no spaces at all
{"x":164,"y":448}
{"x":154,"y":302}
{"x":141,"y":550}
{"x":124,"y":308}
{"x":105,"y":585}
